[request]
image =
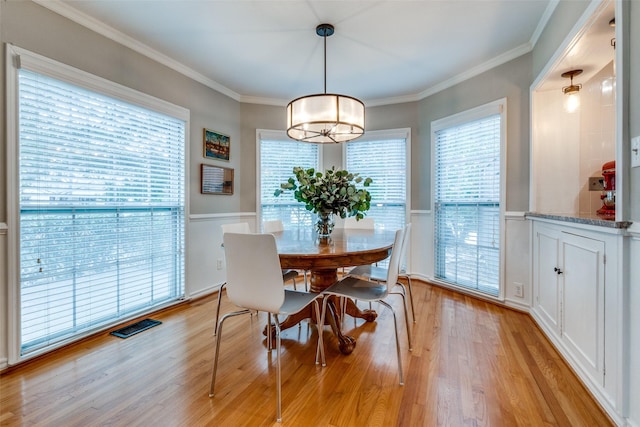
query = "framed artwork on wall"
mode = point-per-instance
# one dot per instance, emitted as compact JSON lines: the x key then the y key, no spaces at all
{"x":216,"y":145}
{"x":216,"y":180}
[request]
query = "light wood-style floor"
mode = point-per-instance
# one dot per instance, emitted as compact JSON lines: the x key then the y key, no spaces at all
{"x":473,"y":364}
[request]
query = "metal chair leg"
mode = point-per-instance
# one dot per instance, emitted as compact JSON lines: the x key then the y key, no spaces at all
{"x":413,"y":309}
{"x":215,"y":328}
{"x":320,"y":327}
{"x":278,"y":371}
{"x":269,"y":343}
{"x":218,"y":339}
{"x":395,"y":324}
{"x":406,"y":311}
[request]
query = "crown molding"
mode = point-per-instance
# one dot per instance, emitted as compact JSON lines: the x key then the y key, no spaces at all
{"x":99,"y":27}
{"x":264,"y":101}
{"x":475,"y":71}
{"x":551,"y":7}
{"x":103,"y":29}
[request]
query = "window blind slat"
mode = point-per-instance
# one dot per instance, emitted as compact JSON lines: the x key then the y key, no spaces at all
{"x":385,"y":162}
{"x":277,"y":160}
{"x":467,"y":203}
{"x":102,"y":203}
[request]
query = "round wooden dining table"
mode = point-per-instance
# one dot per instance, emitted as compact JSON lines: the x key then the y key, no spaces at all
{"x":301,"y":249}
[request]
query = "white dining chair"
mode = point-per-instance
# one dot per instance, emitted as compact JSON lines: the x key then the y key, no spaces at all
{"x":379,"y":274}
{"x":365,"y":290}
{"x":261,"y":288}
{"x":355,"y":224}
{"x":243,"y":228}
{"x":276,"y":226}
{"x":351,"y":223}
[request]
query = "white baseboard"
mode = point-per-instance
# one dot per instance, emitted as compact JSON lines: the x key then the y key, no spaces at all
{"x":516,"y":305}
{"x":206,"y":291}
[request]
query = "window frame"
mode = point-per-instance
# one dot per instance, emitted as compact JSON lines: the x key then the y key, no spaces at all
{"x":379,"y":135}
{"x":498,"y":106}
{"x":17,"y":58}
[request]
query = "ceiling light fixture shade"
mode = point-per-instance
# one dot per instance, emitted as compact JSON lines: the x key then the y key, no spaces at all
{"x":325,"y":118}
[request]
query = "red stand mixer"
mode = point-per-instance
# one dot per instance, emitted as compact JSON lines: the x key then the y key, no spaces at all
{"x":608,"y":209}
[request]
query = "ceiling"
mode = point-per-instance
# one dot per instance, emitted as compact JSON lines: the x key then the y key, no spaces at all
{"x":263,"y":51}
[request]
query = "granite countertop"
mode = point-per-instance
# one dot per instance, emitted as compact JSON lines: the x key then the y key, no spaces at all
{"x":581,"y":219}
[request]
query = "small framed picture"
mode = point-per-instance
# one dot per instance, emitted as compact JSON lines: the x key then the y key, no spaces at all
{"x":216,"y":145}
{"x":216,"y":180}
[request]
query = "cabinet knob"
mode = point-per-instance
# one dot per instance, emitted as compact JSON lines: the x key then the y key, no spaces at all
{"x":557,"y":270}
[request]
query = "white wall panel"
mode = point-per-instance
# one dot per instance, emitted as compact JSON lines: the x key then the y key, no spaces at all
{"x":634,"y":330}
{"x":3,"y":296}
{"x":205,"y":250}
{"x":517,"y":259}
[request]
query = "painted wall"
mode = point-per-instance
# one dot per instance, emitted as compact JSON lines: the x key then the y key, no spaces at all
{"x":256,"y":116}
{"x":30,"y":26}
{"x":75,"y":45}
{"x":510,"y":80}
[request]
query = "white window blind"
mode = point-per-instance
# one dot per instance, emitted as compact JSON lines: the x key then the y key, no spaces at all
{"x":385,"y":162}
{"x":277,"y":160}
{"x":467,"y":204}
{"x":102,"y":205}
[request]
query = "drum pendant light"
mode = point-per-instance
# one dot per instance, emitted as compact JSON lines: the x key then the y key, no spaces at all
{"x":325,"y":117}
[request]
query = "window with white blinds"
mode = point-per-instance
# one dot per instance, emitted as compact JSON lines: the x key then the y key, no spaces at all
{"x":467,"y":201}
{"x":101,"y":209}
{"x":278,"y":156}
{"x":385,"y":162}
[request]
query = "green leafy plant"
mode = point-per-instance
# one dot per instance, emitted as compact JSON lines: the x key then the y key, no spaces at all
{"x":333,"y":192}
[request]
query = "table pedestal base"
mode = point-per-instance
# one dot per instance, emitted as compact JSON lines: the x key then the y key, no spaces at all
{"x":346,"y":343}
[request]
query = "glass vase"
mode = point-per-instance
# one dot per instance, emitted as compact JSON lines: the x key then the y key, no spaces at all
{"x":324,"y":225}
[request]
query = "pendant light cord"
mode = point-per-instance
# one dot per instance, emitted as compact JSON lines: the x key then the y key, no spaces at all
{"x":325,"y":62}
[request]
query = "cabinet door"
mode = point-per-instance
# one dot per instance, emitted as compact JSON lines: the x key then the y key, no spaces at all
{"x":583,"y":301}
{"x":547,"y":292}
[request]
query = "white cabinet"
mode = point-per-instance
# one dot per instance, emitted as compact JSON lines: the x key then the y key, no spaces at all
{"x":576,"y":300}
{"x":546,"y":298}
{"x":581,"y":274}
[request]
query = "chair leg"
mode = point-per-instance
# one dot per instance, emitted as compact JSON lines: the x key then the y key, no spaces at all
{"x":395,"y":324}
{"x":269,"y":343}
{"x":403,"y":294}
{"x":278,"y":370}
{"x":215,"y":328}
{"x":320,"y":327}
{"x":218,"y":339}
{"x":319,"y":351}
{"x":413,"y":309}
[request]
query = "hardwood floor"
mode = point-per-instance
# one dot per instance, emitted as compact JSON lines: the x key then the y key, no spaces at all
{"x":473,"y":364}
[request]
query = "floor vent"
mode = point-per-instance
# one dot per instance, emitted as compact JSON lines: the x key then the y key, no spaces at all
{"x":134,"y":328}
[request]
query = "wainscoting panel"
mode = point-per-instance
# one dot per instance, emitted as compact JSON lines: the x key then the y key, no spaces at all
{"x":205,"y":253}
{"x":4,"y":286}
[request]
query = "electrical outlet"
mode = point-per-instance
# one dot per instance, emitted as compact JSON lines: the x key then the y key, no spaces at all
{"x":596,"y":183}
{"x":220,"y":264}
{"x":519,"y":289}
{"x":635,"y":152}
